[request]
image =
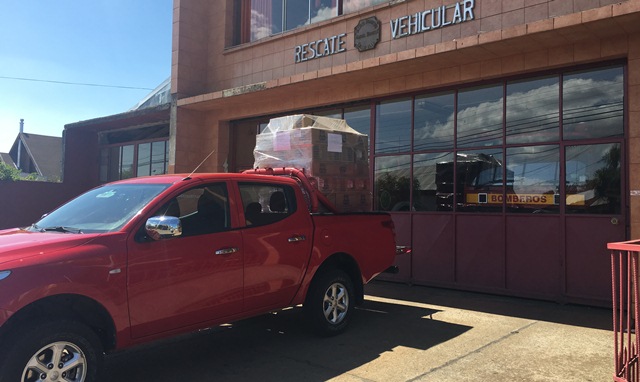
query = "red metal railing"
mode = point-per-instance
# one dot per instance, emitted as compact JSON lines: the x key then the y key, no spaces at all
{"x":624,"y":274}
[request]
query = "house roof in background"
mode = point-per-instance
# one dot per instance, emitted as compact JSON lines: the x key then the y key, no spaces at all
{"x":45,"y":152}
{"x":6,"y":158}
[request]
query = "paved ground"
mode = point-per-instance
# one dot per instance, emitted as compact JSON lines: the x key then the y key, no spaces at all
{"x":401,"y":333}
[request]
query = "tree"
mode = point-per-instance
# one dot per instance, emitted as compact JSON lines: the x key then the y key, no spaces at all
{"x":9,"y":172}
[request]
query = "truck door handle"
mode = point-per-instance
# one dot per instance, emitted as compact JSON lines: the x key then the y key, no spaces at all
{"x":226,"y":251}
{"x":296,"y":238}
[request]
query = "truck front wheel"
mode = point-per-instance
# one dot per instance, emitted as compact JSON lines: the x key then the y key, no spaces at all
{"x":52,"y":351}
{"x":329,"y":303}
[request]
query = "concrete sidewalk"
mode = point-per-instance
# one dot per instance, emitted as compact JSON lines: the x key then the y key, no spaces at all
{"x":493,"y":338}
{"x":401,"y":333}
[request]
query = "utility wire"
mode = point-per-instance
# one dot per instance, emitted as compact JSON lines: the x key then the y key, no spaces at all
{"x":73,"y":83}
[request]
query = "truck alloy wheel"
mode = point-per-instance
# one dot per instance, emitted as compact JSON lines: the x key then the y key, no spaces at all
{"x":56,"y":351}
{"x":329,"y":303}
{"x":336,"y":303}
{"x":61,"y":360}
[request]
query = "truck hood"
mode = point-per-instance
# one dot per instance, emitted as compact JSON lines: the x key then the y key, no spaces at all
{"x":16,"y":244}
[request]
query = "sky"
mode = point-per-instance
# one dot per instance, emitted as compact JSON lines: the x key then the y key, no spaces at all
{"x":66,"y":61}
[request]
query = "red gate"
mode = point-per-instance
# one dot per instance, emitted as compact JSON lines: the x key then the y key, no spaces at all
{"x":624,"y":272}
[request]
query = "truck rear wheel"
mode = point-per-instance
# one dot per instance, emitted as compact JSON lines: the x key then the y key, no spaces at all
{"x":330,"y":302}
{"x":51,"y":351}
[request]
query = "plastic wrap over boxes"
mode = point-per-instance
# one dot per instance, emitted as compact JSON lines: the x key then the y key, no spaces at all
{"x":333,"y":155}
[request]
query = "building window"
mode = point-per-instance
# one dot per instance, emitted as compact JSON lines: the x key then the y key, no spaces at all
{"x":500,"y":147}
{"x":152,"y":158}
{"x":544,"y":144}
{"x":257,"y":19}
{"x":133,"y":160}
{"x":592,"y":103}
{"x":533,"y":107}
{"x":134,"y":152}
{"x":393,"y":126}
{"x":480,"y":116}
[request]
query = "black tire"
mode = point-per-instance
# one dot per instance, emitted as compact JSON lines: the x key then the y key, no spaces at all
{"x":51,"y":348}
{"x":330,"y":302}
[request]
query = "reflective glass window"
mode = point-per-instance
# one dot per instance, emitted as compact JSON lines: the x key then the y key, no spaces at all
{"x":104,"y":164}
{"x":480,"y":116}
{"x":593,"y":104}
{"x":393,"y":126}
{"x":144,"y":159}
{"x":593,"y":179}
{"x":266,"y":18}
{"x":533,"y":179}
{"x":257,"y":19}
{"x":433,"y":181}
{"x":158,"y":158}
{"x":323,"y":10}
{"x":296,"y":14}
{"x":349,"y":6}
{"x":479,"y":181}
{"x":126,"y":162}
{"x":359,"y":119}
{"x":433,"y":122}
{"x":392,"y":179}
{"x":331,"y":113}
{"x":533,"y":110}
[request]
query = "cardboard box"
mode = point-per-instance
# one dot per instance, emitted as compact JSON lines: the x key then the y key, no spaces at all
{"x":330,"y":152}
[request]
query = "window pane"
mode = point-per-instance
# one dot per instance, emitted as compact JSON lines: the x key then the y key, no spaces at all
{"x":266,"y":18}
{"x":126,"y":162}
{"x":533,"y":110}
{"x":392,"y":181}
{"x":533,"y":179}
{"x":349,"y":6}
{"x":296,"y":13}
{"x":592,"y":104}
{"x":331,"y":113}
{"x":323,"y":10}
{"x":359,"y":119}
{"x":593,"y":179}
{"x":479,"y":185}
{"x":114,"y":163}
{"x":104,"y":165}
{"x":202,"y":210}
{"x":433,"y":121}
{"x":480,"y":116}
{"x":144,"y":159}
{"x":264,"y":203}
{"x":393,"y":126}
{"x":433,"y":180}
{"x":158,"y":159}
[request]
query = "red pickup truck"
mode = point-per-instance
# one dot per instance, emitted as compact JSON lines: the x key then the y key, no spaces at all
{"x":148,"y":258}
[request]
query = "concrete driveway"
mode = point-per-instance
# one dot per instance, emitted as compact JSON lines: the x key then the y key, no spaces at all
{"x":401,"y":333}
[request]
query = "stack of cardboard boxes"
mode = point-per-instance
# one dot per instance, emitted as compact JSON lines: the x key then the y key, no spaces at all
{"x":333,"y":155}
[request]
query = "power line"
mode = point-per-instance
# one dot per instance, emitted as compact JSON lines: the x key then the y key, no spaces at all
{"x":73,"y":83}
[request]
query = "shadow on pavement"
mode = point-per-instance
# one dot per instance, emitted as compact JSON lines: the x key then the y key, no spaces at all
{"x":279,"y":347}
{"x":575,"y":315}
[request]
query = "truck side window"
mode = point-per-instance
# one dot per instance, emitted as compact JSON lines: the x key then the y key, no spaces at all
{"x":265,"y":203}
{"x":201,"y":210}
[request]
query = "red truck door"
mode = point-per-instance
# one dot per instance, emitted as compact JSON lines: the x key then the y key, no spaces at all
{"x":277,"y":243}
{"x":194,"y":278}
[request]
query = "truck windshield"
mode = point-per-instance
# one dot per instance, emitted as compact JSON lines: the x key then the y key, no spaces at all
{"x":103,"y":209}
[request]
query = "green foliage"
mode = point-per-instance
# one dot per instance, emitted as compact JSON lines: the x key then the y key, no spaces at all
{"x":32,"y":177}
{"x":9,"y":172}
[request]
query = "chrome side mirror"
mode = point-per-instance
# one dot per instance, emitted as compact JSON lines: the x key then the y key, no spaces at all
{"x":163,"y":227}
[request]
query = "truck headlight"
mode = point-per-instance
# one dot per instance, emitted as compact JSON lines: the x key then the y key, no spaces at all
{"x":4,"y":274}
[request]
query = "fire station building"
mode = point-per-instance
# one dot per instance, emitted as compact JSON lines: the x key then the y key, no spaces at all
{"x":504,"y":135}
